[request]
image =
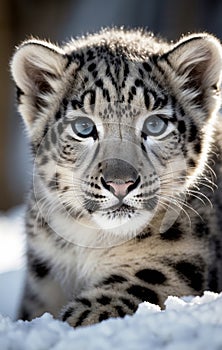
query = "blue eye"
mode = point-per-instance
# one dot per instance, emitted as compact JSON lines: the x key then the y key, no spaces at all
{"x":154,"y":125}
{"x":84,"y":127}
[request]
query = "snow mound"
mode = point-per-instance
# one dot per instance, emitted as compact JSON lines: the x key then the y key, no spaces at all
{"x":194,"y":324}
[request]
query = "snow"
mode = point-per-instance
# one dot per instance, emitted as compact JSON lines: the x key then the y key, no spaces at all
{"x":12,"y":260}
{"x":186,"y":324}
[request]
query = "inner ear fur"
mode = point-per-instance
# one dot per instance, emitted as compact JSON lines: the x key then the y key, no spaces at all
{"x":199,"y":59}
{"x":34,"y":64}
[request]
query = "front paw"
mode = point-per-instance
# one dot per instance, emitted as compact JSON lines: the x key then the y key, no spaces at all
{"x":83,"y":312}
{"x":76,"y":313}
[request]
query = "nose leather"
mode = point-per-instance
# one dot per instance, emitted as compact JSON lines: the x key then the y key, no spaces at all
{"x":119,"y":177}
{"x":120,"y":189}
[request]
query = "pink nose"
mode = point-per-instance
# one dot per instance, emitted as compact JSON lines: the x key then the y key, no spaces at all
{"x":120,"y":189}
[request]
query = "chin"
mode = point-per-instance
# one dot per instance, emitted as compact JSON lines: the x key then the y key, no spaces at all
{"x":124,"y":224}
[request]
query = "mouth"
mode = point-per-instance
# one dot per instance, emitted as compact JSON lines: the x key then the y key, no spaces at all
{"x":121,"y":210}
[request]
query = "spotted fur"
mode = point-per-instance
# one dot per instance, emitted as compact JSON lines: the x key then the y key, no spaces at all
{"x":119,"y":213}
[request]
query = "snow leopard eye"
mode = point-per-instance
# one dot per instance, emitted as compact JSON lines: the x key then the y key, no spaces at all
{"x":155,"y":125}
{"x":84,"y":127}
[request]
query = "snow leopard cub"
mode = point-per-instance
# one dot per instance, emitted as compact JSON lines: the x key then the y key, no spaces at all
{"x":126,"y":144}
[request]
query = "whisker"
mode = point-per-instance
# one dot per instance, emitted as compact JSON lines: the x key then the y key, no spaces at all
{"x":196,"y":194}
{"x":177,"y":208}
{"x":183,"y":204}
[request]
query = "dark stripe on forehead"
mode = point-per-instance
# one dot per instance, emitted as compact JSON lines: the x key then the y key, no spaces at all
{"x":110,"y":76}
{"x":163,"y":101}
{"x":91,"y":94}
{"x":147,"y":67}
{"x":90,"y":55}
{"x":159,"y":101}
{"x":76,"y":104}
{"x":125,"y":73}
{"x":147,"y":99}
{"x":99,"y":83}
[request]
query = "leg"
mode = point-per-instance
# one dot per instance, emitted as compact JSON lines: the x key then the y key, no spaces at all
{"x":40,"y":295}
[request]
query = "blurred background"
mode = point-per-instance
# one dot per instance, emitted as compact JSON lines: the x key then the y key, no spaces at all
{"x":58,"y":21}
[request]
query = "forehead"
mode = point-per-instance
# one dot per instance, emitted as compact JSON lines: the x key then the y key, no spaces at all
{"x":115,"y":85}
{"x":107,"y":69}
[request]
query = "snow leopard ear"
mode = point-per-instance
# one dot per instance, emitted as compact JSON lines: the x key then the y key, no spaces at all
{"x":35,"y":66}
{"x":198,"y":60}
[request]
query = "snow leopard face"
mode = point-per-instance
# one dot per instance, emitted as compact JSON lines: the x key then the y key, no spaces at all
{"x":119,"y":133}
